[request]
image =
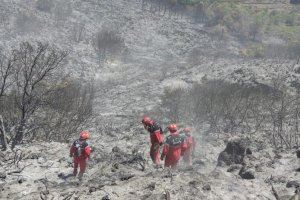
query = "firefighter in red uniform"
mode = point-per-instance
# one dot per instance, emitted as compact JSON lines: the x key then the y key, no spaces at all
{"x":190,"y":143}
{"x":80,"y":151}
{"x":156,"y":137}
{"x":173,"y":146}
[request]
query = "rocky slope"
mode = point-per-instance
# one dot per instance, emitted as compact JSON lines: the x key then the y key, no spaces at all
{"x":162,"y":50}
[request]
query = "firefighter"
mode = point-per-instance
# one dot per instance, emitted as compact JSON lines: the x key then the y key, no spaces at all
{"x":191,"y":144}
{"x":80,"y":151}
{"x":173,"y":146}
{"x":156,"y":138}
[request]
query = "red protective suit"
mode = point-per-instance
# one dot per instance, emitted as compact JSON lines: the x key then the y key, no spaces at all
{"x":156,"y":140}
{"x":187,"y":154}
{"x":172,"y":149}
{"x":80,"y":158}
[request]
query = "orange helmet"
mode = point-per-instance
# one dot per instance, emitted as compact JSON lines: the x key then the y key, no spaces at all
{"x":172,"y":128}
{"x":84,"y":135}
{"x":147,"y":120}
{"x":186,"y":130}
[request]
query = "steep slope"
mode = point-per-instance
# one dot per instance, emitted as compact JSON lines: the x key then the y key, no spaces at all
{"x":159,"y":50}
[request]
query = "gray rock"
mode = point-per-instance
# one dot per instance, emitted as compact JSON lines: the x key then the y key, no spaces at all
{"x":233,"y":154}
{"x":259,"y":168}
{"x":234,"y":167}
{"x":298,"y":153}
{"x":290,"y":184}
{"x":34,"y":155}
{"x":151,"y":186}
{"x":297,"y":69}
{"x":2,"y":175}
{"x":21,"y":180}
{"x":194,"y":183}
{"x":206,"y":187}
{"x":248,"y":151}
{"x":124,"y":177}
{"x":106,"y":197}
{"x":247,"y":173}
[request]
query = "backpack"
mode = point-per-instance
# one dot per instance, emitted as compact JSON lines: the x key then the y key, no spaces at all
{"x":174,"y":140}
{"x":79,"y":146}
{"x":154,"y":128}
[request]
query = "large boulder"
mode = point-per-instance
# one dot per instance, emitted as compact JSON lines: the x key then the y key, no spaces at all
{"x":233,"y":154}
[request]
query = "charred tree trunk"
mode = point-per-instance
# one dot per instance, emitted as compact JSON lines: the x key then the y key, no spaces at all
{"x":3,"y":138}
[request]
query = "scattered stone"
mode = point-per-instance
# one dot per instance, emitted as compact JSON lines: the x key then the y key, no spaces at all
{"x":146,"y":196}
{"x":95,"y":187}
{"x":2,"y":175}
{"x":21,"y":180}
{"x":297,"y":69}
{"x":298,"y":169}
{"x":45,"y":192}
{"x":125,"y":177}
{"x":194,"y":183}
{"x":298,"y":153}
{"x":92,"y":189}
{"x":198,"y":162}
{"x":215,"y":174}
{"x":206,"y":187}
{"x":41,"y":160}
{"x":248,"y":151}
{"x":106,"y":197}
{"x":276,"y":180}
{"x":151,"y":186}
{"x":113,"y":183}
{"x":247,"y":173}
{"x":234,"y":167}
{"x":116,"y":149}
{"x":2,"y":186}
{"x":113,"y":170}
{"x":60,"y":175}
{"x":61,"y":160}
{"x":290,"y":184}
{"x":34,"y":156}
{"x":258,"y":168}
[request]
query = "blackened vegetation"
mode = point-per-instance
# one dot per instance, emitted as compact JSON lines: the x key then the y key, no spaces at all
{"x":108,"y":44}
{"x":176,"y":8}
{"x":239,"y":108}
{"x":37,"y":101}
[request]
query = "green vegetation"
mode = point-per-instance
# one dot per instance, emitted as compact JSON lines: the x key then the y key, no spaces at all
{"x":250,"y":23}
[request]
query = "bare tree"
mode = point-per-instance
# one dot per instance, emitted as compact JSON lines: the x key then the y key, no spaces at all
{"x":34,"y":64}
{"x":63,"y":117}
{"x":6,"y":72}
